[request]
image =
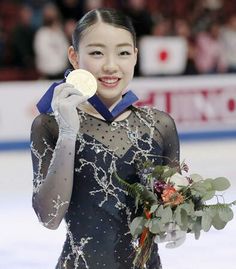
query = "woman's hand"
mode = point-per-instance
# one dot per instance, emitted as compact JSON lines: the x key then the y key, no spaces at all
{"x":64,"y":103}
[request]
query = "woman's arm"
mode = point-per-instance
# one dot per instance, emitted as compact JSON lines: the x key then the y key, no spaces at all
{"x":53,"y":151}
{"x":53,"y":173}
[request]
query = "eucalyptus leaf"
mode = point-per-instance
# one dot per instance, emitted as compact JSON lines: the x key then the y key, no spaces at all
{"x":137,"y":225}
{"x":198,"y":213}
{"x":218,"y":223}
{"x":226,"y":214}
{"x":159,"y":212}
{"x":153,"y":208}
{"x":208,"y":195}
{"x":170,"y":172}
{"x":220,"y":183}
{"x":147,"y":222}
{"x":206,"y":221}
{"x":196,"y":177}
{"x":199,"y":189}
{"x":154,"y":226}
{"x":166,"y":215}
{"x":177,"y":216}
{"x":188,"y":207}
{"x":211,"y":210}
{"x":197,"y":227}
{"x":207,"y":184}
{"x":184,"y":219}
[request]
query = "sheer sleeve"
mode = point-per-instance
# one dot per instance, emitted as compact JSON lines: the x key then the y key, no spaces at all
{"x":53,"y":166}
{"x":167,"y":128}
{"x":44,"y":135}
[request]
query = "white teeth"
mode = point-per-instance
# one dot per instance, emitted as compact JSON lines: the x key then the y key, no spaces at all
{"x":110,"y":81}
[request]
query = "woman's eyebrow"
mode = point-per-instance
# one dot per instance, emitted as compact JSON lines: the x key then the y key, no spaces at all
{"x":102,"y":45}
{"x":95,"y":45}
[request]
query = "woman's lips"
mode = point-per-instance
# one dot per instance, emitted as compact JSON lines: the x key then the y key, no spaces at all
{"x":109,"y":82}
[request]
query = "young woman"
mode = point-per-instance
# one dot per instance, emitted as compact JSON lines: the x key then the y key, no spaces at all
{"x":75,"y":150}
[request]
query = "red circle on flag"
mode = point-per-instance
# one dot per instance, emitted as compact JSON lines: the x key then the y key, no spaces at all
{"x":163,"y":55}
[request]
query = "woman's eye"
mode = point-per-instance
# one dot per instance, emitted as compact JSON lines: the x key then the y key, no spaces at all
{"x":96,"y":52}
{"x":125,"y":53}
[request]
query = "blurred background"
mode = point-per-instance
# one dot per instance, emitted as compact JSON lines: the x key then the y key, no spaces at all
{"x":186,"y":67}
{"x":203,"y":31}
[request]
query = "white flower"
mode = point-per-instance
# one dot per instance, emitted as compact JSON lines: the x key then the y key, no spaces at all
{"x":179,"y":181}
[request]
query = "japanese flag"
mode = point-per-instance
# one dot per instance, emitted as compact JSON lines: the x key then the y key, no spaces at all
{"x":162,"y":55}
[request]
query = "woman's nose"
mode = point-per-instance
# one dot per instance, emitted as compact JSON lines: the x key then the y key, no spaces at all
{"x":110,"y":65}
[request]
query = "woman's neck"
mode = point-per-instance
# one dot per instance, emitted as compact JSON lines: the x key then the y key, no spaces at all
{"x":89,"y":109}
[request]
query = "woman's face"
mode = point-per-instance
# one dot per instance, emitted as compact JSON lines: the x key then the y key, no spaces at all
{"x":109,"y":54}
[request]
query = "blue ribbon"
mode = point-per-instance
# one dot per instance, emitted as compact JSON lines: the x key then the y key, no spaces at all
{"x":44,"y":104}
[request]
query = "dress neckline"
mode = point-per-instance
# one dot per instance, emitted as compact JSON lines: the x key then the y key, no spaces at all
{"x":130,"y":110}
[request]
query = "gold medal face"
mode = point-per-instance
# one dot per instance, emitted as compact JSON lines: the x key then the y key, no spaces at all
{"x":84,"y":81}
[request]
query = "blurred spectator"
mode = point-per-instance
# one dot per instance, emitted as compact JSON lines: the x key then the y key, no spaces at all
{"x":70,"y":9}
{"x":186,"y":18}
{"x":228,"y":35}
{"x":209,"y":51}
{"x":22,"y":39}
{"x":69,"y":26}
{"x":51,"y":45}
{"x":2,"y":45}
{"x":92,"y":4}
{"x":213,"y":4}
{"x":182,"y":28}
{"x":37,"y":9}
{"x":162,"y":27}
{"x":141,"y":18}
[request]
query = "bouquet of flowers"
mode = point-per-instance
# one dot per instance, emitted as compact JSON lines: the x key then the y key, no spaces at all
{"x":174,"y":203}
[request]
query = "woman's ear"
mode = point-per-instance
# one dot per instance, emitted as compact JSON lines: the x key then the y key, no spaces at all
{"x":73,"y":57}
{"x":136,"y":54}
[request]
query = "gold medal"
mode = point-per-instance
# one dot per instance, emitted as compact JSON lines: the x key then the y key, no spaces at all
{"x":83,"y":80}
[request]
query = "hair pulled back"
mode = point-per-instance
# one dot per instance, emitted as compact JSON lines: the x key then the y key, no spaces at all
{"x":107,"y":15}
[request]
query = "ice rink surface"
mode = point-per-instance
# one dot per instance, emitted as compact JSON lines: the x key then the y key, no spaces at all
{"x":25,"y":244}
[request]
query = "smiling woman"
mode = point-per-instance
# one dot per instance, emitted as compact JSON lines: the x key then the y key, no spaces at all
{"x":109,"y":53}
{"x":76,"y":150}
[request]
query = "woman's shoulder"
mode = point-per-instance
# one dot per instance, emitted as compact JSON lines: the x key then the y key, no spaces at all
{"x":154,"y":113}
{"x":44,"y":121}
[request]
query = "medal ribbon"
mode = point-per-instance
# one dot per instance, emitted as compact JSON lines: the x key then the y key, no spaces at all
{"x":44,"y":104}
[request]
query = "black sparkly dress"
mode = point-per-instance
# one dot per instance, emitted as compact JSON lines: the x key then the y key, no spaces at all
{"x":100,"y":210}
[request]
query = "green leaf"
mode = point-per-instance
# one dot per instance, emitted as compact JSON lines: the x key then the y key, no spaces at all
{"x":188,"y":207}
{"x":158,"y":171}
{"x":197,"y":227}
{"x":184,"y":219}
{"x":166,"y":215}
{"x":218,"y":223}
{"x":206,"y":221}
{"x":226,"y":214}
{"x":220,"y":183}
{"x":170,"y":172}
{"x":155,"y":226}
{"x":196,"y":177}
{"x":198,"y":189}
{"x":159,"y":212}
{"x":137,"y":225}
{"x":177,"y":216}
{"x":199,"y":213}
{"x":208,"y":195}
{"x":153,"y":208}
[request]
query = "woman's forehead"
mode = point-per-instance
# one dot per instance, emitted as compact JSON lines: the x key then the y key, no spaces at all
{"x":101,"y":32}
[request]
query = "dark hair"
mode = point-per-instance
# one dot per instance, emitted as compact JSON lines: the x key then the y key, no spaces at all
{"x":107,"y":15}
